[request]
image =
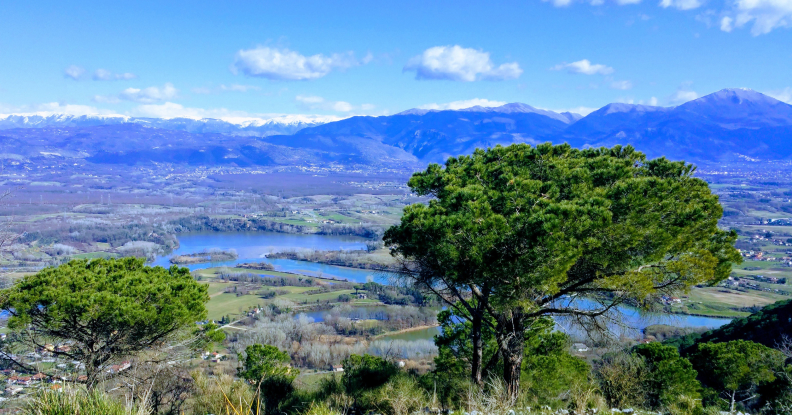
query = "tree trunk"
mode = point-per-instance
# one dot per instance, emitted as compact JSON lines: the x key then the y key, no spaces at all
{"x":511,"y":329}
{"x":475,"y":361}
{"x":731,"y":406}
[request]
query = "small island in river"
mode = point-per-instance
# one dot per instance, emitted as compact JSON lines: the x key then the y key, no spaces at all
{"x":204,"y":256}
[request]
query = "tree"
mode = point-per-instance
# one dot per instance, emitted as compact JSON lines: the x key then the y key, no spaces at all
{"x":267,"y":367}
{"x":522,"y":232}
{"x":671,"y":378}
{"x":365,"y":372}
{"x":736,"y":370}
{"x":549,"y":371}
{"x":106,"y":309}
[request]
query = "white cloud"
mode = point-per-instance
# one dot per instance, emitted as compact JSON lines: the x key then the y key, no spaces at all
{"x":174,"y":110}
{"x":106,"y":99}
{"x":284,"y":64}
{"x":226,"y":88}
{"x":584,"y":67}
{"x":682,"y":96}
{"x":312,"y":102}
{"x":74,"y":72}
{"x":726,"y":24}
{"x":652,"y":101}
{"x":782,"y":95}
{"x":53,"y":108}
{"x":458,"y":105}
{"x":456,"y":63}
{"x":105,"y":75}
{"x":763,"y":15}
{"x":149,"y":95}
{"x":681,"y":4}
{"x":623,"y":85}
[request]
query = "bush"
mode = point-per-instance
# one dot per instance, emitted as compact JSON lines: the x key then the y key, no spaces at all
{"x":223,"y":395}
{"x":72,"y":401}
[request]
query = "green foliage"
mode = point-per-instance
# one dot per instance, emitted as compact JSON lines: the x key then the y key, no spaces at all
{"x":736,"y":370}
{"x":548,"y":369}
{"x":557,"y":216}
{"x":108,"y":308}
{"x":265,"y":361}
{"x":73,"y":401}
{"x":366,"y":372}
{"x":211,"y":333}
{"x":517,"y":228}
{"x":671,"y":380}
{"x":268,"y":369}
{"x":621,"y":378}
{"x":767,"y":326}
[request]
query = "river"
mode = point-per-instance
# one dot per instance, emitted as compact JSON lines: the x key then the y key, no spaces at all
{"x":254,"y":246}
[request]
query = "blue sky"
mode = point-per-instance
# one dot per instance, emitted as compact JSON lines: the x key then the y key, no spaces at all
{"x":339,"y":58}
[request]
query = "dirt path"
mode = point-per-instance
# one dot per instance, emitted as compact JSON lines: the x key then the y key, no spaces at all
{"x":416,"y":328}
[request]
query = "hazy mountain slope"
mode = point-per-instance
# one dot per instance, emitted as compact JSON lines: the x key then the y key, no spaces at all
{"x":435,"y":135}
{"x":721,"y":126}
{"x":240,"y":126}
{"x":133,"y":144}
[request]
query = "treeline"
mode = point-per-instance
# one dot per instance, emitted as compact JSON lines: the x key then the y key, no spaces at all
{"x":400,"y":295}
{"x":209,"y":224}
{"x":351,"y":259}
{"x":92,"y":231}
{"x":271,"y":281}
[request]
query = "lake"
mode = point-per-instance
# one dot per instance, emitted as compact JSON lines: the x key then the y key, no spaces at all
{"x":254,"y":246}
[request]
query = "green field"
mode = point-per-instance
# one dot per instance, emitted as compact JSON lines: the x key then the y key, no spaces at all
{"x":717,"y":301}
{"x":222,"y":304}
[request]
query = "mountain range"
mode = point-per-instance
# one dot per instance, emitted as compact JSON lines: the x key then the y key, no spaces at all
{"x":729,"y":125}
{"x":241,"y":126}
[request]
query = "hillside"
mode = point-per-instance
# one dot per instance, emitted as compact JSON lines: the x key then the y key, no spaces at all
{"x":768,"y":326}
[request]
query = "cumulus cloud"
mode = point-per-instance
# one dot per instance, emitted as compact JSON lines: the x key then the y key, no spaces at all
{"x":681,"y":4}
{"x":584,"y":67}
{"x":458,"y":105}
{"x":782,"y":95}
{"x":682,"y":96}
{"x":622,"y":85}
{"x":149,"y":95}
{"x":456,"y":63}
{"x":74,"y":72}
{"x":762,"y":15}
{"x":312,"y":102}
{"x":284,"y":64}
{"x":105,"y":75}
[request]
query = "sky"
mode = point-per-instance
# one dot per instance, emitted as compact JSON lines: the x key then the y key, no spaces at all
{"x":330,"y":59}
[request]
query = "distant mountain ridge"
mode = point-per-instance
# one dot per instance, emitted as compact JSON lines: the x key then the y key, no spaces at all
{"x":732,"y":124}
{"x":242,"y":126}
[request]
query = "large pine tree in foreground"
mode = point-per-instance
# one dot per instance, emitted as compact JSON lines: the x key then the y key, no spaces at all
{"x":514,"y":234}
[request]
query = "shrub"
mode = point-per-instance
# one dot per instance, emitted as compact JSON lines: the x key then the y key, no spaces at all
{"x":73,"y":401}
{"x":223,"y":395}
